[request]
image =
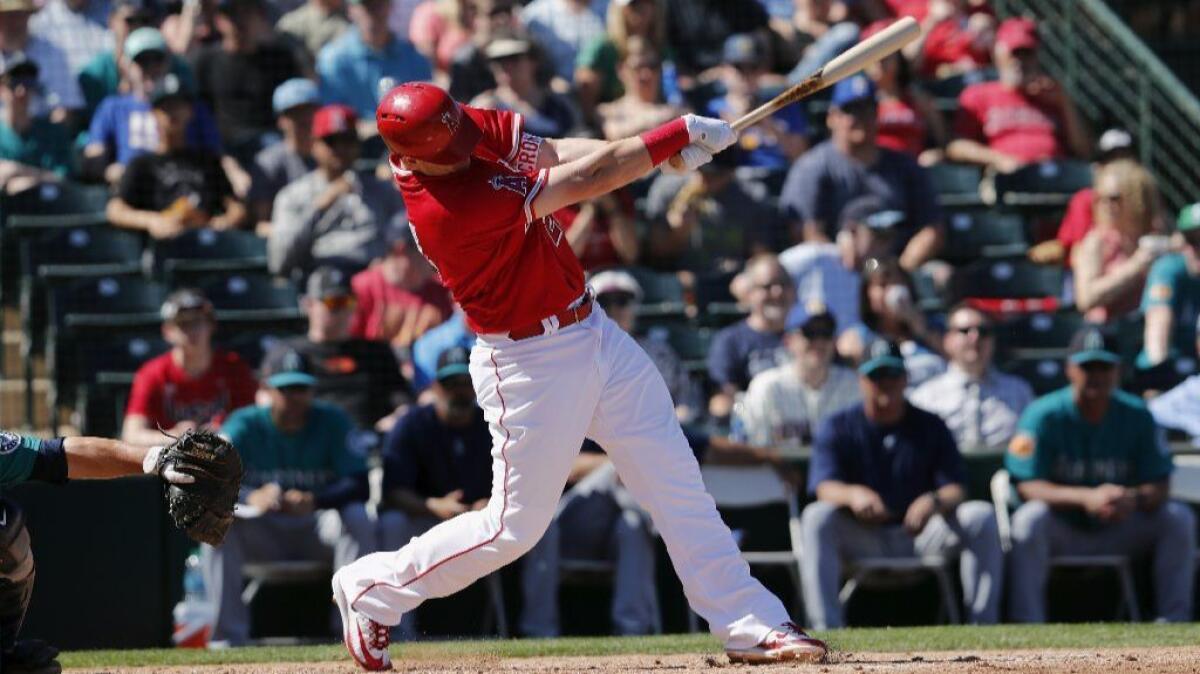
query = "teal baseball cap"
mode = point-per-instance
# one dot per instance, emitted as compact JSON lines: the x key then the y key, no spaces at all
{"x":453,"y":362}
{"x":1091,"y":345}
{"x":286,"y":367}
{"x":1189,"y":218}
{"x":142,"y":40}
{"x":883,"y":358}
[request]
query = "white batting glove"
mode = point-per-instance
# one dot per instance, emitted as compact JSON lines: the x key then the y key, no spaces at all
{"x":712,"y":135}
{"x":693,"y":158}
{"x":150,"y":467}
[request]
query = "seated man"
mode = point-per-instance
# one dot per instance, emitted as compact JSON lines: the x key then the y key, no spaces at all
{"x":889,"y":482}
{"x":1179,"y":408}
{"x":303,"y":495}
{"x":275,"y":166}
{"x":980,"y":404}
{"x":1172,"y":298}
{"x":399,"y":297}
{"x":1093,"y":472}
{"x":191,"y":385}
{"x":33,"y":149}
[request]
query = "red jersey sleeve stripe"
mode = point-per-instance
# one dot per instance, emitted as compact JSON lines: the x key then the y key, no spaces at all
{"x":518,"y":122}
{"x":530,"y":216}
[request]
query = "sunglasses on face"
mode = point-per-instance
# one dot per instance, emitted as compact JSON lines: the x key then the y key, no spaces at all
{"x":339,"y":302}
{"x":885,"y":376}
{"x":295,"y":389}
{"x":191,"y":324}
{"x":150,"y":59}
{"x":981,"y":330}
{"x":1097,"y":367}
{"x":615,"y":300}
{"x":772,"y":285}
{"x":812,"y":334}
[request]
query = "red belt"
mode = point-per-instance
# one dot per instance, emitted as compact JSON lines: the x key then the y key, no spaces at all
{"x":563,"y":318}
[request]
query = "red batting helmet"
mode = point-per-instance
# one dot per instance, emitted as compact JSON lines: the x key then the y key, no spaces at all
{"x":422,"y":121}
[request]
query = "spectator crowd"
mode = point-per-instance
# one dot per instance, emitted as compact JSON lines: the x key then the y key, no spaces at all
{"x":800,"y":295}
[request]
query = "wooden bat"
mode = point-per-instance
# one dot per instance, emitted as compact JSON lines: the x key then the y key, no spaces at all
{"x":870,"y":51}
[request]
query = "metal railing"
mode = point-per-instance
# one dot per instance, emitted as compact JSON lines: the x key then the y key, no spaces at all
{"x":1115,"y":79}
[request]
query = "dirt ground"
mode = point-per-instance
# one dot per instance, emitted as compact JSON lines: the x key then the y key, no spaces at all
{"x":1106,"y":661}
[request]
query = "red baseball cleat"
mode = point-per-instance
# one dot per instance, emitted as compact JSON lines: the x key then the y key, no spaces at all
{"x":366,"y":639}
{"x":788,"y":643}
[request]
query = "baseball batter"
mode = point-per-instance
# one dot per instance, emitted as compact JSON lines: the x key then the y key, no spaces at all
{"x":549,"y":369}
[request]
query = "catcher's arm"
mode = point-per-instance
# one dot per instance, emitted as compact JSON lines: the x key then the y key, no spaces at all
{"x":100,"y":458}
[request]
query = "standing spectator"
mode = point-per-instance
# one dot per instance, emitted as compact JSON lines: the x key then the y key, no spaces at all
{"x":1179,"y":408}
{"x":59,"y":86}
{"x":820,"y":36}
{"x":439,"y":28}
{"x":333,"y":216}
{"x":470,"y":73}
{"x":908,"y":120}
{"x":602,"y":231}
{"x":641,"y":107}
{"x":562,"y":28}
{"x":744,"y":349}
{"x":597,"y":79}
{"x":193,"y":384}
{"x":1092,"y":471}
{"x":280,"y":164}
{"x":303,"y":494}
{"x":33,"y":149}
{"x":980,"y":405}
{"x":828,"y":273}
{"x":238,"y":76}
{"x":76,"y":27}
{"x":887,"y":301}
{"x":360,"y":377}
{"x":890,"y":482}
{"x":953,"y":40}
{"x":176,"y":187}
{"x":351,"y":66}
{"x":1172,"y":299}
{"x":124,"y":127}
{"x":778,"y":140}
{"x":102,"y":76}
{"x":1023,"y":118}
{"x":786,"y":404}
{"x":399,"y":297}
{"x":1112,"y":261}
{"x":544,"y":112}
{"x":851,"y":164}
{"x":697,"y":30}
{"x":710,"y":220}
{"x":315,"y":23}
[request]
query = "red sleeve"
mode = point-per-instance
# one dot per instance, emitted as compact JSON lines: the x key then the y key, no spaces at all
{"x":504,"y":139}
{"x":364,"y":304}
{"x":145,"y":399}
{"x":968,"y":121}
{"x":936,"y":50}
{"x":1077,"y":221}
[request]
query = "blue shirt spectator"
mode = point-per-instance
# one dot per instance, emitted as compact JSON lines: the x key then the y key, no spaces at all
{"x":739,"y":352}
{"x":759,"y":148}
{"x":78,"y":28}
{"x":1172,"y":297}
{"x":563,"y":28}
{"x":427,"y":348}
{"x":899,"y":462}
{"x":124,"y":125}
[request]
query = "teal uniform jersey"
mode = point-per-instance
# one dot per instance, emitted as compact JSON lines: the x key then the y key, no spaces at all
{"x":1169,"y":284}
{"x":307,"y":460}
{"x":1053,"y":442}
{"x":17,"y":455}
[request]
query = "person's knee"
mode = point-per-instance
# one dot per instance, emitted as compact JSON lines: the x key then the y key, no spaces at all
{"x":1180,"y":520}
{"x":978,"y":519}
{"x":818,"y":519}
{"x":1030,"y":521}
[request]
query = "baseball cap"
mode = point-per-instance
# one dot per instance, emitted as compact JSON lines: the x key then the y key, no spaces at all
{"x":184,"y":299}
{"x":327,"y":282}
{"x":506,"y":47}
{"x":616,"y":281}
{"x":873,"y":212}
{"x":1017,"y":33}
{"x":1189,"y":218}
{"x":453,"y":362}
{"x":1090,"y":344}
{"x":852,"y":90}
{"x":142,"y":40}
{"x":1114,"y":141}
{"x":883,"y":357}
{"x":333,"y":120}
{"x":19,"y":66}
{"x":286,"y":366}
{"x":811,"y":318}
{"x":168,"y":89}
{"x":744,"y":49}
{"x":293,"y":93}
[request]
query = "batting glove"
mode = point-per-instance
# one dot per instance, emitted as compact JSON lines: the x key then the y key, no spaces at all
{"x":712,"y":135}
{"x":693,"y":158}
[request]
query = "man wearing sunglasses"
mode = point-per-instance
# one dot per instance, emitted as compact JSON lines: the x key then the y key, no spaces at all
{"x":1093,"y":473}
{"x":1171,"y":301}
{"x":980,"y":404}
{"x":889,"y":482}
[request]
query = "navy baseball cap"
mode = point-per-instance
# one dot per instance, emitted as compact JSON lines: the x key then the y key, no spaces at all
{"x":285,"y":367}
{"x":852,"y":90}
{"x":873,"y":212}
{"x":171,"y":88}
{"x":1091,"y":345}
{"x":453,"y":362}
{"x":328,"y":282}
{"x":294,"y":93}
{"x":811,"y":318}
{"x":883,"y":357}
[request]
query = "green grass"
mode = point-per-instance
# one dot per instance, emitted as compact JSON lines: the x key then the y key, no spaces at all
{"x":944,"y":638}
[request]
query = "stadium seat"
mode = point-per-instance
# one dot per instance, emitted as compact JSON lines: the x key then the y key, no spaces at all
{"x":252,"y":345}
{"x":1038,"y":335}
{"x":190,"y":256}
{"x":1010,"y":279}
{"x":1049,"y":184}
{"x":662,"y":294}
{"x":108,"y":367}
{"x":253,"y":301}
{"x":689,"y":343}
{"x":1002,"y":501}
{"x":956,"y":184}
{"x":715,"y":303}
{"x":974,"y":234}
{"x":1044,"y":374}
{"x":949,"y":88}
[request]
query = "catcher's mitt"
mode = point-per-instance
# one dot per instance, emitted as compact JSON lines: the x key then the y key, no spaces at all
{"x":202,"y":506}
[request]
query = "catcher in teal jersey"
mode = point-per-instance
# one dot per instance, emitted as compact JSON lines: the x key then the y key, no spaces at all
{"x":201,"y":473}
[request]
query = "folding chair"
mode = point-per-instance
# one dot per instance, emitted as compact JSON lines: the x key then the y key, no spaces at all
{"x":1002,"y":492}
{"x":190,"y":256}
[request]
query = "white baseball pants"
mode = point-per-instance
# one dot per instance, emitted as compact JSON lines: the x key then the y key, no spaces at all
{"x":541,"y":397}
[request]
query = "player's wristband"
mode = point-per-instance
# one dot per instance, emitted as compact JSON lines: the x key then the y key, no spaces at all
{"x":50,"y":464}
{"x":664,"y":142}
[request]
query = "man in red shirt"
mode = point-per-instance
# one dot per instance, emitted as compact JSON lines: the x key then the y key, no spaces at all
{"x":192,"y":384}
{"x":1024,"y":117}
{"x":398,"y":297}
{"x":549,"y":369}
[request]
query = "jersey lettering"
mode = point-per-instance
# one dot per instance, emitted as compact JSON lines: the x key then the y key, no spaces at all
{"x":516,"y":184}
{"x":553,"y":229}
{"x":527,"y":153}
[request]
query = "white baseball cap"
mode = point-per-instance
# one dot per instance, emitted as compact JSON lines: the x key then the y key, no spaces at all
{"x":616,"y":281}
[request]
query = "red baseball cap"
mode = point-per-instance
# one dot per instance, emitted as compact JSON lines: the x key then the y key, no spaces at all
{"x":331,"y":120}
{"x":1017,"y":33}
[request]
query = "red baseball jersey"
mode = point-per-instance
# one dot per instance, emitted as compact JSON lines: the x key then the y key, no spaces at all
{"x":900,"y":127}
{"x":505,"y":264}
{"x":948,"y":43}
{"x":164,"y":394}
{"x":1009,"y":121}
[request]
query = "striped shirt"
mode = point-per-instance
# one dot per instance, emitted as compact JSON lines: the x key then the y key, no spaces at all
{"x":780,"y":411}
{"x":982,"y":414}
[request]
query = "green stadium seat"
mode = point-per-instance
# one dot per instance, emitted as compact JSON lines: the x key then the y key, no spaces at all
{"x":108,"y":367}
{"x":1010,"y":278}
{"x":1038,"y":335}
{"x":956,"y":184}
{"x":715,"y":303}
{"x":974,"y":234}
{"x":1047,"y":185}
{"x":197,"y":253}
{"x":690,"y":343}
{"x":662,"y":294}
{"x":1043,"y":374}
{"x":254,"y":301}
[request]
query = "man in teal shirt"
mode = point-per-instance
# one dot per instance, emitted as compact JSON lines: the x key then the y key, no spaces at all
{"x":1092,"y":469}
{"x":1171,"y":301}
{"x":33,"y":149}
{"x":303,"y":495}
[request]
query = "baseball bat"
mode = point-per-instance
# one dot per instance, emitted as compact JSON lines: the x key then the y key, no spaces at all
{"x":870,"y":51}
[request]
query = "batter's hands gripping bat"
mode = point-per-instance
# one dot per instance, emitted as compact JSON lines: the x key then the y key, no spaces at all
{"x":870,"y":51}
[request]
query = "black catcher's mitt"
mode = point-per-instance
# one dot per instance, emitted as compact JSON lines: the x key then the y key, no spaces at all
{"x":202,"y":507}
